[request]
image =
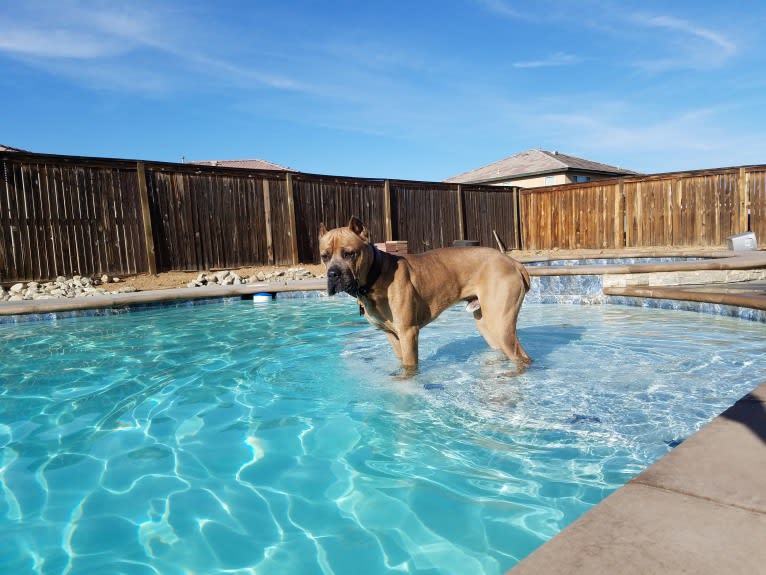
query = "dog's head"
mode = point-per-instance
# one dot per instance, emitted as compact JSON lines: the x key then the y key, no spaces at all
{"x":347,"y":254}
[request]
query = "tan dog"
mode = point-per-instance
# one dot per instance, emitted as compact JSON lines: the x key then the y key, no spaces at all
{"x":401,"y":294}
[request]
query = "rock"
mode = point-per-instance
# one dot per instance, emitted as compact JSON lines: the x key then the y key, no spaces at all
{"x":260,"y":276}
{"x":221,"y":276}
{"x":17,"y":288}
{"x":104,"y":279}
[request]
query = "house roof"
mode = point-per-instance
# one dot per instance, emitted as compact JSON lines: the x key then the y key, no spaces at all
{"x":10,"y":149}
{"x":535,"y":163}
{"x":253,"y":164}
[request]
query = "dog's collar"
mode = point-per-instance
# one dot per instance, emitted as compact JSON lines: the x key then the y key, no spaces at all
{"x":372,"y":275}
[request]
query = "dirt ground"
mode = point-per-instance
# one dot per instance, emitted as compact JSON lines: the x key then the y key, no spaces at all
{"x":169,"y":280}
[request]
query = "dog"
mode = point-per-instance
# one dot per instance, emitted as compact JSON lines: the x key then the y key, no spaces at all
{"x":402,"y":294}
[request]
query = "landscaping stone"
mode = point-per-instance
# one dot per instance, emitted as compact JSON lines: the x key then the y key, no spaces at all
{"x":77,"y":286}
{"x":83,"y":286}
{"x":225,"y":277}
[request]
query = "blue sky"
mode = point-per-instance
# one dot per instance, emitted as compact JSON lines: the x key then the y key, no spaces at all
{"x":400,"y":89}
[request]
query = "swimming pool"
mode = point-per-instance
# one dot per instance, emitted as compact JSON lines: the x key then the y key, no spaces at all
{"x":273,"y":438}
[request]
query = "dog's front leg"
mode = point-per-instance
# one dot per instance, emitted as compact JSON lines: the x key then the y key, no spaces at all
{"x":394,"y":341}
{"x":408,"y":341}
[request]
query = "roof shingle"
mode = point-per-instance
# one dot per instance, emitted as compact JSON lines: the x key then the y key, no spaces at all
{"x":533,"y":163}
{"x":254,"y":164}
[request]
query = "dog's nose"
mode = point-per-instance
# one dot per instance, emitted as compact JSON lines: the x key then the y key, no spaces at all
{"x":334,"y":272}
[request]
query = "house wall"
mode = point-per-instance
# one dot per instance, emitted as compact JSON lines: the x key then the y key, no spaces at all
{"x":558,"y":179}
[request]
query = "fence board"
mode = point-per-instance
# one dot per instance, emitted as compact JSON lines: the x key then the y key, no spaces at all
{"x":756,"y":202}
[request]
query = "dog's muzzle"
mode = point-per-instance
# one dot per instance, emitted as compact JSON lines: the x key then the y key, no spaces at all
{"x":341,"y":280}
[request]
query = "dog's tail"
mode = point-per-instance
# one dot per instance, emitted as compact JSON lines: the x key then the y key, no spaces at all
{"x":524,"y":275}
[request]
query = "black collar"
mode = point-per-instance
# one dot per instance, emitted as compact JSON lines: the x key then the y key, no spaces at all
{"x":372,"y":275}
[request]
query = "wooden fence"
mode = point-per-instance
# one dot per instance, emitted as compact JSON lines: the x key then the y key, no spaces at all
{"x":65,"y":215}
{"x":62,"y":215}
{"x":683,"y":209}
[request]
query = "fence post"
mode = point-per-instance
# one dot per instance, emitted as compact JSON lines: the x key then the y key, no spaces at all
{"x":516,"y":191}
{"x":291,"y":218}
{"x":744,"y":201}
{"x":267,"y":219}
{"x":460,"y":213}
{"x":619,"y":216}
{"x":151,"y":258}
{"x":387,"y":210}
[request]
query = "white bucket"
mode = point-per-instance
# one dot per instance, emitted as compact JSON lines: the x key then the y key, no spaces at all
{"x":262,"y":297}
{"x":744,"y":241}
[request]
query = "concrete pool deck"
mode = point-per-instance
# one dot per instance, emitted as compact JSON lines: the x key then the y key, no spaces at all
{"x":700,"y":509}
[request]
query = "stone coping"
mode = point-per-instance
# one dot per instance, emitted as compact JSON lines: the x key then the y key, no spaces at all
{"x":715,"y":260}
{"x":45,"y":306}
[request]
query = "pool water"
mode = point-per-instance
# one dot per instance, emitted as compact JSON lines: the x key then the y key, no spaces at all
{"x":276,"y":438}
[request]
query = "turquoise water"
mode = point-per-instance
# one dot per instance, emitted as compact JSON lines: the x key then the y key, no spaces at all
{"x":276,"y":438}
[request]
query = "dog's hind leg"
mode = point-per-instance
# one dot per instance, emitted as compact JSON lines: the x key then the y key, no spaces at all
{"x":481,"y":325}
{"x":498,"y":323}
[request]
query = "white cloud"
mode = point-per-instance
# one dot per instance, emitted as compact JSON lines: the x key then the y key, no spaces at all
{"x":54,"y":44}
{"x":686,"y":44}
{"x":70,"y":30}
{"x":717,"y":40}
{"x":127,"y":47}
{"x":557,"y":59}
{"x":501,"y":8}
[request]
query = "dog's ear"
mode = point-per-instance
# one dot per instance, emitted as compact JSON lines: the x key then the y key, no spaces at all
{"x":357,"y":226}
{"x":322,"y":229}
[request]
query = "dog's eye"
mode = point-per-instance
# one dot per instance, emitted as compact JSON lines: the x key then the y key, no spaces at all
{"x":325,"y":257}
{"x":349,"y":255}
